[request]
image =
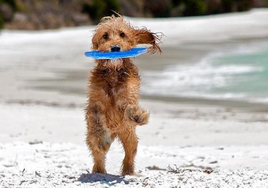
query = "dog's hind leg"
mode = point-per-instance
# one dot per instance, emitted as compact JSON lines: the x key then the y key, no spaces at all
{"x":99,"y":147}
{"x":130,"y":143}
{"x":99,"y":137}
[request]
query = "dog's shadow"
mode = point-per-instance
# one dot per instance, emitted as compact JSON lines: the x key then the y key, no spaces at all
{"x":108,"y":179}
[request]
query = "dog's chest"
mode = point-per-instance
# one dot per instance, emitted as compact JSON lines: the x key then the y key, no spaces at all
{"x":116,"y":82}
{"x":115,"y":78}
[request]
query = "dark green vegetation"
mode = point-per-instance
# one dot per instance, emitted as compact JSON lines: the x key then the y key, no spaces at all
{"x":36,"y":14}
{"x":171,"y":8}
{"x":7,"y":9}
{"x":99,"y":8}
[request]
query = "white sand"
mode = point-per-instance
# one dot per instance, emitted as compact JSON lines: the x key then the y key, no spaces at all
{"x":60,"y":165}
{"x":234,"y":148}
{"x":193,"y":140}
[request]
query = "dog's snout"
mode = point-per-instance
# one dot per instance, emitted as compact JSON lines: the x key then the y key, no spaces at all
{"x":115,"y":48}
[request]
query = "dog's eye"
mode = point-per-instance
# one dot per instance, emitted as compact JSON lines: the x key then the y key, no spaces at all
{"x":122,"y":35}
{"x":105,"y":36}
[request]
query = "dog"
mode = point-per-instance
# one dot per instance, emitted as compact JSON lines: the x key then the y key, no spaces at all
{"x":112,"y":110}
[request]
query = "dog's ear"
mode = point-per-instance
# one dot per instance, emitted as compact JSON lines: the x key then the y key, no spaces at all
{"x":95,"y":41}
{"x":144,"y":36}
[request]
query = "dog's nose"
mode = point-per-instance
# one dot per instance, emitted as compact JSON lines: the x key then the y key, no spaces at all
{"x":115,"y":48}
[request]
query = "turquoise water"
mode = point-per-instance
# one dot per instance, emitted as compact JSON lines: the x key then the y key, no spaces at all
{"x":251,"y":84}
{"x":239,"y":76}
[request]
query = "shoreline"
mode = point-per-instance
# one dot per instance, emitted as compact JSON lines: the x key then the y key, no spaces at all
{"x":224,"y":103}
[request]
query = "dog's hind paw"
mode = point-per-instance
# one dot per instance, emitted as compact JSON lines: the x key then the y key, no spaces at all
{"x":137,"y":115}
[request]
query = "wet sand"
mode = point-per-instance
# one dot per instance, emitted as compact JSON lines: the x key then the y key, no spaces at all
{"x":74,"y":81}
{"x":67,"y":82}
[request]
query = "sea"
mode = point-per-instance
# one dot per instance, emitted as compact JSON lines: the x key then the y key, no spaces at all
{"x":222,"y":58}
{"x":240,"y":74}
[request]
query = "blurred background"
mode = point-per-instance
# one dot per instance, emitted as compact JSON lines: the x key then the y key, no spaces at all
{"x":208,"y":56}
{"x":51,"y":14}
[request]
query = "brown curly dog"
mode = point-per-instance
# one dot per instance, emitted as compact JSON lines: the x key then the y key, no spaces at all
{"x":113,"y":109}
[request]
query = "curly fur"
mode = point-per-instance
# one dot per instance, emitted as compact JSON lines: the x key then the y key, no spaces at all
{"x":113,"y":110}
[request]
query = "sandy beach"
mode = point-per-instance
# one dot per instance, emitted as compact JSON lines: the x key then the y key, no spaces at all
{"x":189,"y":142}
{"x":183,"y":145}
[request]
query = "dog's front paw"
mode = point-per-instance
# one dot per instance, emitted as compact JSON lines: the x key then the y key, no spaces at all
{"x":137,"y":115}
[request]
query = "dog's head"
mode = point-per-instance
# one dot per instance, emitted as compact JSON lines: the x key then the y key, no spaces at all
{"x":114,"y":34}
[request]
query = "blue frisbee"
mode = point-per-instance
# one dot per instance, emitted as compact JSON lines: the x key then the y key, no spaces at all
{"x":134,"y":52}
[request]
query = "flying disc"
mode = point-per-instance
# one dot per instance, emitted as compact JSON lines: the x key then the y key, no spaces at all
{"x":134,"y":52}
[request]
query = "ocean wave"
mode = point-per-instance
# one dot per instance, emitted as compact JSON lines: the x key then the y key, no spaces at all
{"x":243,"y":97}
{"x":200,"y":80}
{"x":200,"y":75}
